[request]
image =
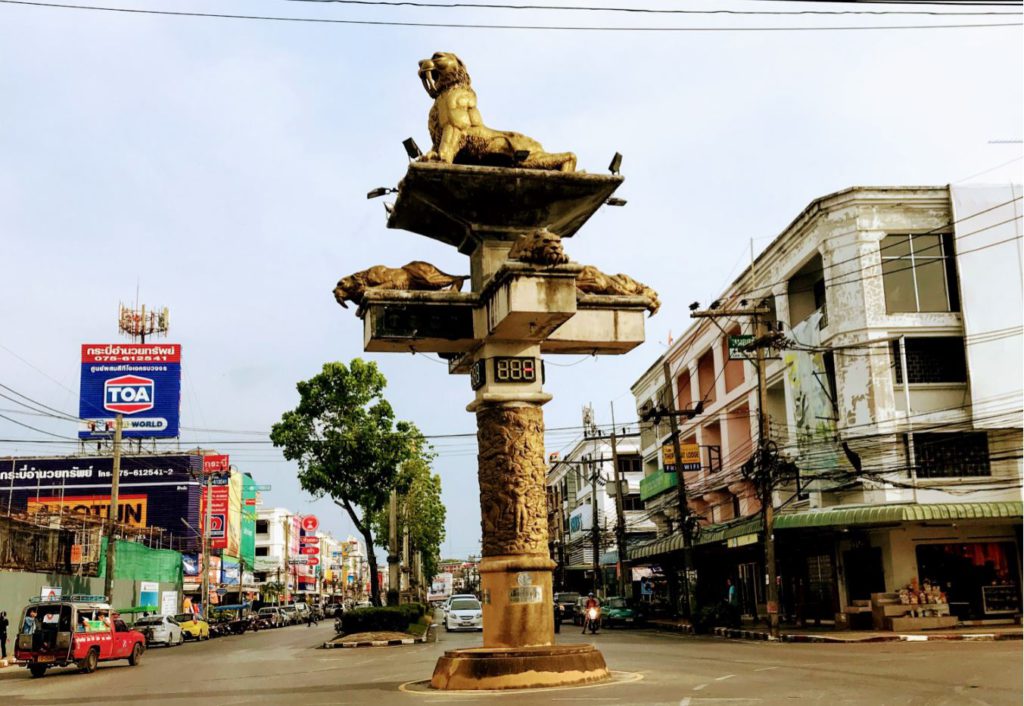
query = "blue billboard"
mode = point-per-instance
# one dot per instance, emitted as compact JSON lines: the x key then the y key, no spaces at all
{"x":141,"y":381}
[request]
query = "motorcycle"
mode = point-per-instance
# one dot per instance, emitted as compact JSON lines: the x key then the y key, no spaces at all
{"x":593,"y":619}
{"x":337,"y":626}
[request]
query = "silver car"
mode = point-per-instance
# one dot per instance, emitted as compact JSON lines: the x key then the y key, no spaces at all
{"x":160,"y":630}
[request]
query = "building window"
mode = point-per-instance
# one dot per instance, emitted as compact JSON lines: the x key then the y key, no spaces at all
{"x":952,"y":455}
{"x":262,"y":551}
{"x":629,"y":464}
{"x":932,"y":359}
{"x":260,"y":577}
{"x":262,"y":526}
{"x":919,"y":273}
{"x":632,"y":502}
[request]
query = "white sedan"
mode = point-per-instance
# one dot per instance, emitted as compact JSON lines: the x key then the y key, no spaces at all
{"x":160,"y":629}
{"x":464,"y":614}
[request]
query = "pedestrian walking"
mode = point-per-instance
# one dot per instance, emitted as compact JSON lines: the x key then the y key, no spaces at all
{"x":730,"y":594}
{"x":4,"y":622}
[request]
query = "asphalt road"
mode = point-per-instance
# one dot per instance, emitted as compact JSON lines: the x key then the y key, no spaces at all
{"x":283,"y":667}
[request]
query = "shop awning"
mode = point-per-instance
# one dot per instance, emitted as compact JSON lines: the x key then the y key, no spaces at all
{"x":834,"y":517}
{"x":887,"y":514}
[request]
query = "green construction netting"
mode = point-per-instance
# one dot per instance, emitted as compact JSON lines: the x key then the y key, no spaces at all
{"x":140,"y":563}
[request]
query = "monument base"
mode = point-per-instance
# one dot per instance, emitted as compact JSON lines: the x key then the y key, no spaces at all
{"x":483,"y":668}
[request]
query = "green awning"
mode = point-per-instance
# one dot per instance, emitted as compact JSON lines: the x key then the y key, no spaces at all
{"x":887,"y":514}
{"x":709,"y":534}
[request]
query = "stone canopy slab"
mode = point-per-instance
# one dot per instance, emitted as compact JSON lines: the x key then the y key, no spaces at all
{"x":458,"y":204}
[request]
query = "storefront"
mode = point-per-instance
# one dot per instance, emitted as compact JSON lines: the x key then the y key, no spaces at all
{"x":981,"y":579}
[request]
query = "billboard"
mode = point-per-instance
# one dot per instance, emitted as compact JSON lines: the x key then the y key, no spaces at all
{"x":247,"y":544}
{"x":580,"y":520}
{"x":218,"y":491}
{"x":155,"y":490}
{"x":141,"y":381}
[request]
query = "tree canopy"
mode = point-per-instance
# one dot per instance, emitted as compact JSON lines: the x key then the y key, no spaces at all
{"x":344,"y":436}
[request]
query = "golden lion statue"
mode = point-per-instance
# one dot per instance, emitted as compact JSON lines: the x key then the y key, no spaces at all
{"x":416,"y":276}
{"x":540,"y":247}
{"x":592,"y":281}
{"x":457,"y":130}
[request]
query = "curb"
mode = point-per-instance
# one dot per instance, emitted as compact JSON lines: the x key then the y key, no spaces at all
{"x":373,"y":643}
{"x":739,"y":634}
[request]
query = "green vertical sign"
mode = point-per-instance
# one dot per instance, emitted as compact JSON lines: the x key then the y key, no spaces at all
{"x":247,"y":545}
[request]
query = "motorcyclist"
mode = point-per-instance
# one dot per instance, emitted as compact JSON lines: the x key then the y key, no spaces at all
{"x":592,"y":602}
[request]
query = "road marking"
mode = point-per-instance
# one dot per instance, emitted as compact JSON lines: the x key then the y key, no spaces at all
{"x":727,"y":676}
{"x":699,"y":687}
{"x":765,"y":669}
{"x":684,"y":702}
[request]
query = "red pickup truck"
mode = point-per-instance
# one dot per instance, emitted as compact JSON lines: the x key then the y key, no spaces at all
{"x":79,"y":630}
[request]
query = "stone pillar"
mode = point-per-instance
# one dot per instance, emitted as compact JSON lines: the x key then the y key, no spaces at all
{"x":515,"y":571}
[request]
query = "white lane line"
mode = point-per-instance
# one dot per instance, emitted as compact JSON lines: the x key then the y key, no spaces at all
{"x":727,"y":676}
{"x":699,"y":687}
{"x":765,"y":669}
{"x":684,"y":702}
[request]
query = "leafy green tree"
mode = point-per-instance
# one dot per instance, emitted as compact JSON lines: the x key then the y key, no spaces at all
{"x":348,"y":445}
{"x":420,"y":509}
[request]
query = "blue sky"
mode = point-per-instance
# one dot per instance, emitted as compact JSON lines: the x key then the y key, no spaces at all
{"x":223,"y":165}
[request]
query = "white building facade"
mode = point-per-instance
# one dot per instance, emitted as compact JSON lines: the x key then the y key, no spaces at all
{"x":895,"y":389}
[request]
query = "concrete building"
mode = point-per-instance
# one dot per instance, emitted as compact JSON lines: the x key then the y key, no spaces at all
{"x":581,"y":495}
{"x":896,"y":391}
{"x":277,"y":546}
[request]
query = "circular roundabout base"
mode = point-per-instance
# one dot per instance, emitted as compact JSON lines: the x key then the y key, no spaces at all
{"x":496,"y":668}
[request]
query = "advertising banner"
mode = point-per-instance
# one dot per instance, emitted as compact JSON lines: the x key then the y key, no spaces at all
{"x":149,"y":593}
{"x":141,"y":381}
{"x":169,"y":603}
{"x":234,"y":514}
{"x":155,"y":490}
{"x":247,"y":544}
{"x":218,"y":519}
{"x":580,"y":520}
{"x":230,"y":572}
{"x":690,"y":461}
{"x":216,"y":463}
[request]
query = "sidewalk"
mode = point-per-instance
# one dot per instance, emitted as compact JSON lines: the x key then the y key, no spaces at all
{"x":822,"y":635}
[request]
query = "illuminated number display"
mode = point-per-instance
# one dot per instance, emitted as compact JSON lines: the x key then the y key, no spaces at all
{"x":508,"y":369}
{"x":478,"y":374}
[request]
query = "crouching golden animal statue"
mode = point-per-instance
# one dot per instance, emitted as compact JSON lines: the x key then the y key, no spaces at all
{"x":457,"y":130}
{"x":592,"y":281}
{"x":416,"y":276}
{"x":540,"y":247}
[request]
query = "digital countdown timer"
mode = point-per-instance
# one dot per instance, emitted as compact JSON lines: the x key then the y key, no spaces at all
{"x":478,"y":374}
{"x":515,"y":369}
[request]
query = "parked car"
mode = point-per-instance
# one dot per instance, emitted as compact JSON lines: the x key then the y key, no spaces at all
{"x":290,"y":614}
{"x":464,"y":613}
{"x":273,"y":616}
{"x":192,"y":626}
{"x":80,"y":630}
{"x":566,"y":600}
{"x":617,"y":611}
{"x":160,"y":630}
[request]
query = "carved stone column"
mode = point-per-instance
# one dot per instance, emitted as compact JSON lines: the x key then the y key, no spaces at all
{"x":515,"y":571}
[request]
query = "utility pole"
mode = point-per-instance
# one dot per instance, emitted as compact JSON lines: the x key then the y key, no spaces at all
{"x":595,"y":529}
{"x":764,"y":465}
{"x":394,"y":582}
{"x":287,"y":522}
{"x":620,"y":521}
{"x":112,"y":514}
{"x":207,"y":514}
{"x":683,"y":504}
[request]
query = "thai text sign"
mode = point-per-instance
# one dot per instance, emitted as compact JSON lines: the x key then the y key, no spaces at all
{"x":141,"y":381}
{"x":690,"y":460}
{"x":738,"y":347}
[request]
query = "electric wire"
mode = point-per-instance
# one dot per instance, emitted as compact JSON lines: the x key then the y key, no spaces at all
{"x":467,"y":25}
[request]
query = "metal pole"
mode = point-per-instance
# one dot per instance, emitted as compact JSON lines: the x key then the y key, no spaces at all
{"x":911,"y":451}
{"x":115,"y":483}
{"x":620,"y":520}
{"x":394,"y":582}
{"x":684,"y":508}
{"x":595,"y":529}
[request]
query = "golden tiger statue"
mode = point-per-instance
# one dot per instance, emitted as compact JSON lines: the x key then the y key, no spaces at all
{"x":416,"y":276}
{"x":457,"y":130}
